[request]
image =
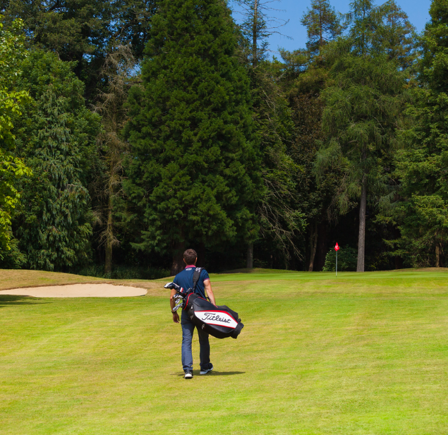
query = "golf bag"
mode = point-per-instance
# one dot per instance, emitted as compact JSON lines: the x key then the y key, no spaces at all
{"x":220,"y":322}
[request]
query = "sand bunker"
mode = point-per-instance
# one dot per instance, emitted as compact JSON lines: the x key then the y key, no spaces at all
{"x":77,"y":291}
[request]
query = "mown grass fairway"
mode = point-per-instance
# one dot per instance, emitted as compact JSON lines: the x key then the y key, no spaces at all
{"x":360,"y":354}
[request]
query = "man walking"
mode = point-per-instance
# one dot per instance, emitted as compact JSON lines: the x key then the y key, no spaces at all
{"x":185,"y":279}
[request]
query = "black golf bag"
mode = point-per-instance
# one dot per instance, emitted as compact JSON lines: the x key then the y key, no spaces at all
{"x":220,"y":322}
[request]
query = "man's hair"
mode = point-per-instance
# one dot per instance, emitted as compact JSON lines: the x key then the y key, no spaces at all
{"x":190,"y":256}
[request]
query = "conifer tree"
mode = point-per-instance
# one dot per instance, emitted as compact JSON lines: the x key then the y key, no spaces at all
{"x":56,"y":138}
{"x":316,"y":196}
{"x":362,"y":113}
{"x":277,"y":212}
{"x":421,"y":166}
{"x":323,"y":24}
{"x":111,"y":104}
{"x":258,"y":24}
{"x":383,"y":29}
{"x":396,"y":35}
{"x":192,"y":175}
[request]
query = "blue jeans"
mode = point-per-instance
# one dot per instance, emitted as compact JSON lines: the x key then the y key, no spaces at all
{"x":187,"y":338}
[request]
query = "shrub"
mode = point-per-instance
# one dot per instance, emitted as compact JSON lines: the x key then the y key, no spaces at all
{"x":124,"y":272}
{"x":347,"y":260}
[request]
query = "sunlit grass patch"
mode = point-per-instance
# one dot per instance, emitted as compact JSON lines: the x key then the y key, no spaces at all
{"x":360,"y":354}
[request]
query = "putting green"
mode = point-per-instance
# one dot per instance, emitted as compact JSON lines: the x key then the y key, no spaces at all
{"x":358,"y":354}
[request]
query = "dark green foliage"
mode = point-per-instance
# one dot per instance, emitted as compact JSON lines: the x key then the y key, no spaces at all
{"x":361,"y":114}
{"x":83,"y":31}
{"x":422,"y":164}
{"x":12,"y":258}
{"x":124,"y":272}
{"x":316,"y":196}
{"x":57,"y":142}
{"x":433,"y":66}
{"x":226,"y":150}
{"x":347,"y":259}
{"x":192,"y":176}
{"x":279,"y":214}
{"x":305,"y":77}
{"x":363,"y":110}
{"x":279,"y":211}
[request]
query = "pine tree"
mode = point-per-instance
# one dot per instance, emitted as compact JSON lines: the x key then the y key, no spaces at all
{"x":111,"y":104}
{"x":362,"y":112}
{"x":396,"y":35}
{"x":279,"y":210}
{"x":421,"y":165}
{"x":192,"y":176}
{"x":364,"y":20}
{"x":258,"y":25}
{"x":383,"y":29}
{"x":323,"y":24}
{"x":278,"y":215}
{"x":316,"y":195}
{"x":56,"y":139}
{"x":432,"y":68}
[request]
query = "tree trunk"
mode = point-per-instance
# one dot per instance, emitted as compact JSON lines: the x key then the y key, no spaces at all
{"x":321,"y":39}
{"x":254,"y":35}
{"x":250,"y":256}
{"x":437,"y":255}
{"x":362,"y":227}
{"x":398,"y":263}
{"x":313,"y":247}
{"x":398,"y":260}
{"x":109,"y":238}
{"x":178,"y":258}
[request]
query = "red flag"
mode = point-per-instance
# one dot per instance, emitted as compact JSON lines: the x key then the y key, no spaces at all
{"x":336,"y":248}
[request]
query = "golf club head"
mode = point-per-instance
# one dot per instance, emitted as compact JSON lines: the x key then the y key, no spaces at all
{"x":179,"y":302}
{"x":172,"y":285}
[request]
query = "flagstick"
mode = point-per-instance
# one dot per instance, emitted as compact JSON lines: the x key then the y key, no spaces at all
{"x":336,"y":248}
{"x":336,"y":263}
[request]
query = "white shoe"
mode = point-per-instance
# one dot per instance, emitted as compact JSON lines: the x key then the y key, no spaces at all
{"x":204,"y":372}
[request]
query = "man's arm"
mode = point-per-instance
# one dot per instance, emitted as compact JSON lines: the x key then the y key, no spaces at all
{"x":208,"y":289}
{"x":172,"y":305}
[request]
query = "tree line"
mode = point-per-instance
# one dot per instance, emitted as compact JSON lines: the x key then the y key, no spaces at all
{"x":130,"y":131}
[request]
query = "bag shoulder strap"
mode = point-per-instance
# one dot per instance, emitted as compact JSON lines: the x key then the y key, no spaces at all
{"x":196,"y":275}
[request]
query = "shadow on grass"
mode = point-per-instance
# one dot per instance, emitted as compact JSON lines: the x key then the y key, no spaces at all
{"x":213,"y":373}
{"x":9,"y":300}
